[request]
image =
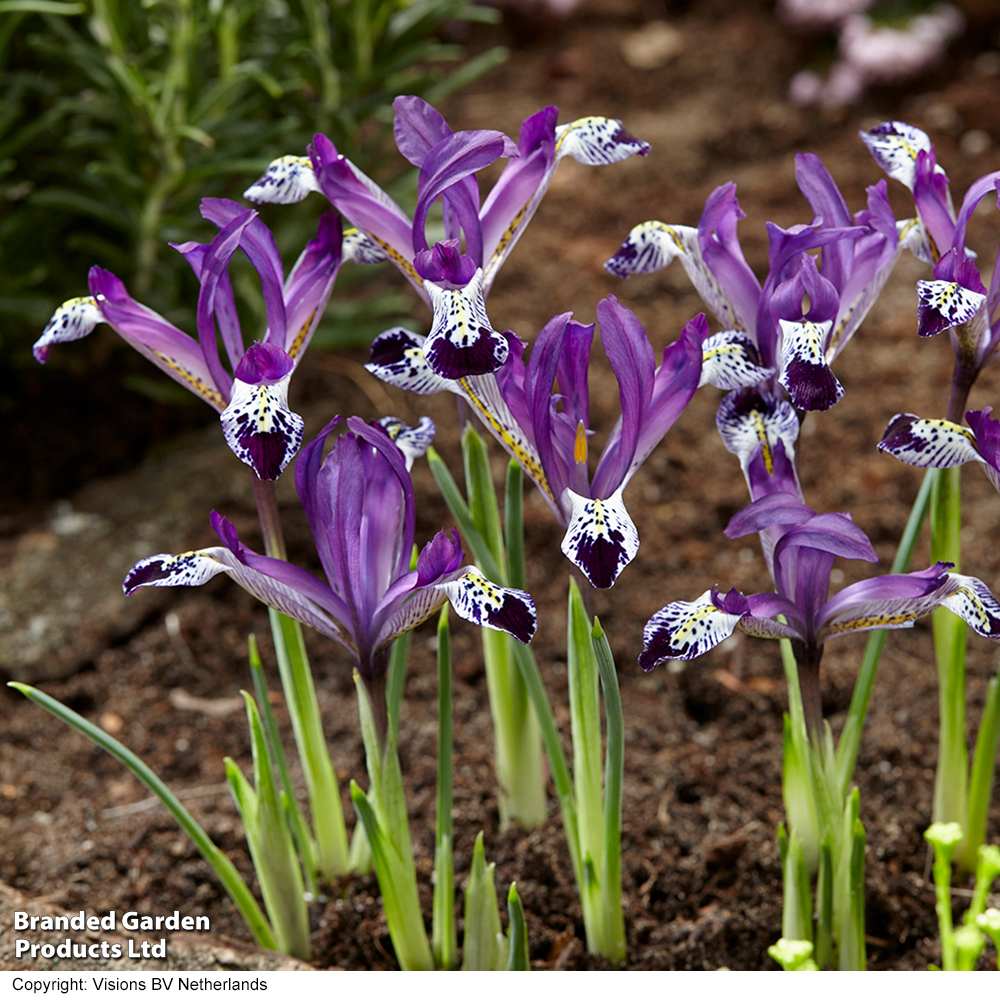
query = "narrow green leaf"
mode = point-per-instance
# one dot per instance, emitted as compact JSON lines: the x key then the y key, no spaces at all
{"x":222,"y":866}
{"x":517,"y":934}
{"x":481,"y":947}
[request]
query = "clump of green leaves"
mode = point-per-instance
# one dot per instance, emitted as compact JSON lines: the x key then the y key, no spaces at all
{"x":119,"y":117}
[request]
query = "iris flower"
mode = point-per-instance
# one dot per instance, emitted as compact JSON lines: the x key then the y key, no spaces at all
{"x":548,"y":432}
{"x":360,"y":506}
{"x":462,"y":341}
{"x":791,"y":346}
{"x":800,"y":567}
{"x":252,"y":400}
{"x":955,"y":298}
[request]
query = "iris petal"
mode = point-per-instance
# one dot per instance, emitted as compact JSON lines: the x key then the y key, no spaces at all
{"x":260,"y":428}
{"x":745,"y":425}
{"x":934,"y":444}
{"x":360,"y":249}
{"x":73,"y":320}
{"x":397,"y":358}
{"x":411,"y":441}
{"x":975,"y":605}
{"x":683,"y":630}
{"x":462,"y":341}
{"x":601,"y":538}
{"x":190,"y":569}
{"x":596,"y":141}
{"x":895,"y":146}
{"x":804,"y":371}
{"x":730,"y":360}
{"x":651,"y":246}
{"x":944,"y":304}
{"x":505,"y":609}
{"x":287,"y":180}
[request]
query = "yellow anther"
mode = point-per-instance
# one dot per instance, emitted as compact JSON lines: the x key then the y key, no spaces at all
{"x":580,"y":448}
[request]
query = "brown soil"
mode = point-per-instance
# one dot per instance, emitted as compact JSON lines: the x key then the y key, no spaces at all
{"x":701,"y":883}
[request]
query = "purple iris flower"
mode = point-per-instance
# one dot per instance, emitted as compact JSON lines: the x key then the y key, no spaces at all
{"x":956,"y":298}
{"x":548,"y":432}
{"x":800,"y":567}
{"x":454,"y":283}
{"x":360,"y":505}
{"x":942,"y":444}
{"x":253,"y":399}
{"x":766,"y":321}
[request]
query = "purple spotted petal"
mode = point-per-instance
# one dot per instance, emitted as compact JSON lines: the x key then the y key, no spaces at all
{"x":462,"y":341}
{"x":650,"y":247}
{"x":975,"y":604}
{"x":595,"y":141}
{"x":895,"y":146}
{"x":287,"y":180}
{"x":685,"y":630}
{"x":260,"y":428}
{"x":413,"y":442}
{"x":601,"y":538}
{"x":397,"y":357}
{"x":804,"y":371}
{"x":944,"y":304}
{"x":730,"y":360}
{"x":504,"y":609}
{"x":73,"y":320}
{"x":929,"y":444}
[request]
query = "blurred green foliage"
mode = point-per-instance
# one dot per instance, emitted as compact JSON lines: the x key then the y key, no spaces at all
{"x":117,"y":117}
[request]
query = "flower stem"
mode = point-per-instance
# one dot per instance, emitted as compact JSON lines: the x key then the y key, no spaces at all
{"x":951,"y":781}
{"x":296,"y":679}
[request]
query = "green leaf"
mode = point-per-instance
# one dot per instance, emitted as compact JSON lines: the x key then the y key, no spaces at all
{"x":222,"y":866}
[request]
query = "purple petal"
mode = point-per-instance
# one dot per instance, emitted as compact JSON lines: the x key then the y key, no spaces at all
{"x":170,"y":349}
{"x":674,"y":383}
{"x":944,"y":304}
{"x":933,"y":200}
{"x":512,"y":202}
{"x":417,"y":128}
{"x":632,"y":359}
{"x":257,"y":242}
{"x":263,"y":364}
{"x":440,"y":556}
{"x":987,"y":431}
{"x":358,"y":198}
{"x":445,"y":166}
{"x":777,"y":509}
{"x":896,"y":600}
{"x":723,"y":257}
{"x":309,"y":285}
{"x":445,"y":264}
